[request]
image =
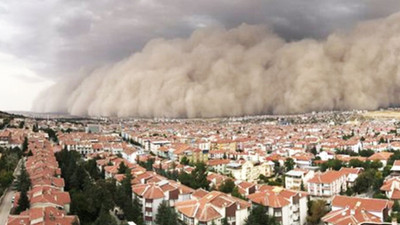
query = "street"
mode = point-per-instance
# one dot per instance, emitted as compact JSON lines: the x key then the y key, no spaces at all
{"x":6,"y":205}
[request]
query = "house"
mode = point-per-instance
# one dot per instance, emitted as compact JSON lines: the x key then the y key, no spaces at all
{"x":46,"y":215}
{"x":245,"y":188}
{"x":152,"y":194}
{"x":43,"y":196}
{"x":216,"y":179}
{"x":5,"y":138}
{"x":288,"y":207}
{"x":218,"y":165}
{"x":351,"y":174}
{"x":249,"y":170}
{"x":212,"y":208}
{"x":391,"y":187}
{"x":295,"y":178}
{"x":396,"y":167}
{"x":326,"y":155}
{"x":383,"y":157}
{"x":353,"y":211}
{"x":224,"y":144}
{"x":328,"y":184}
{"x":303,"y":160}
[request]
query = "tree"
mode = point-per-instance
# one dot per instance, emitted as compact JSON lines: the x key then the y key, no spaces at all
{"x":185,"y":178}
{"x":227,"y":186}
{"x":126,"y":184}
{"x":356,"y":163}
{"x":122,"y":168}
{"x":91,"y":167}
{"x":302,"y":186}
{"x":314,"y":150}
{"x":199,"y":177}
{"x":25,"y":145}
{"x":317,"y":211}
{"x":23,"y":202}
{"x":396,"y":206}
{"x":166,"y":215}
{"x":137,"y":211}
{"x":105,"y":218}
{"x":259,"y":216}
{"x":367,"y":152}
{"x":289,"y":164}
{"x":332,"y":163}
{"x":367,"y":179}
{"x":35,"y":128}
{"x":23,"y":180}
{"x":185,"y":161}
{"x":225,"y":221}
{"x":236,"y":193}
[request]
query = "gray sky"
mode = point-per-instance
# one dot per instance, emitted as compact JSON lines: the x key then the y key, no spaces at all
{"x":42,"y":41}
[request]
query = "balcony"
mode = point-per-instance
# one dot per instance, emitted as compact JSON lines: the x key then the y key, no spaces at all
{"x":295,"y":217}
{"x":295,"y":208}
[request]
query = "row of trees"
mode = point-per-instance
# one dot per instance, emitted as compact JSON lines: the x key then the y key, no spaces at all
{"x":197,"y":178}
{"x":23,"y":186}
{"x":337,"y":164}
{"x":8,"y":161}
{"x":92,"y":196}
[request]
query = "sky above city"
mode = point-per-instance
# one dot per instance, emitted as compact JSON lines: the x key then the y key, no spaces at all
{"x":42,"y":42}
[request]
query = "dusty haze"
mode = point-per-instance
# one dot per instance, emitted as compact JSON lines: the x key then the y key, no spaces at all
{"x":243,"y":71}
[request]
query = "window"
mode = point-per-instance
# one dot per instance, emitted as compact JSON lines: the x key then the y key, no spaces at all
{"x":148,"y":213}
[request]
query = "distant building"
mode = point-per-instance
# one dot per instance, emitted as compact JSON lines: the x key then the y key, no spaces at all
{"x":250,"y":171}
{"x":93,"y":128}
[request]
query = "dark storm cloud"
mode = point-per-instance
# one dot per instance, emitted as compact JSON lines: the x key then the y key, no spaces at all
{"x":62,"y":37}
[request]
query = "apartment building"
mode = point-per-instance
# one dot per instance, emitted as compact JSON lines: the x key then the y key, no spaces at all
{"x":351,"y":174}
{"x":218,"y":165}
{"x":391,"y":187}
{"x":47,"y":215}
{"x":296,"y":178}
{"x":288,"y":207}
{"x":212,"y":208}
{"x":152,"y":194}
{"x":326,"y":185}
{"x":249,"y":170}
{"x":354,"y":211}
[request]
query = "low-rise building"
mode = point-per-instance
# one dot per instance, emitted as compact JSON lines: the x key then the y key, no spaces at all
{"x":328,"y":184}
{"x":250,"y":171}
{"x":212,"y":208}
{"x":297,"y":178}
{"x":288,"y":207}
{"x":46,"y":215}
{"x":351,"y":174}
{"x":391,"y":187}
{"x":353,"y":211}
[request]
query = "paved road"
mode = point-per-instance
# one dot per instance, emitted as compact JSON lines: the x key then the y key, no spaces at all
{"x":5,"y":205}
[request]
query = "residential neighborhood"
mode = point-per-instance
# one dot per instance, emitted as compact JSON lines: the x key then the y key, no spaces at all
{"x":203,"y":172}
